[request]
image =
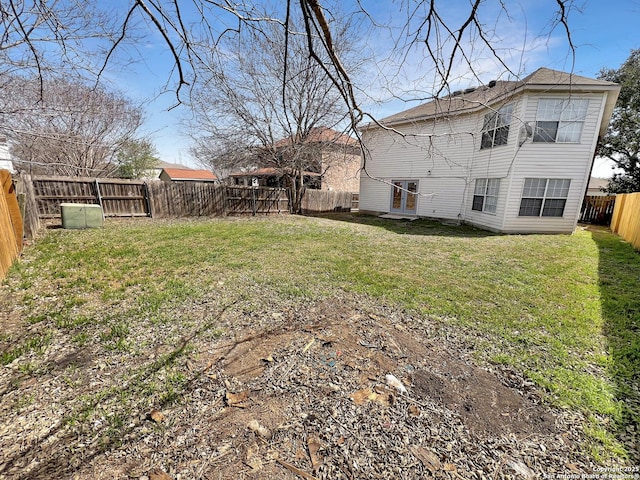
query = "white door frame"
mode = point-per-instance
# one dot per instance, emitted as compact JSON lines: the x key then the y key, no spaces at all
{"x":404,"y":197}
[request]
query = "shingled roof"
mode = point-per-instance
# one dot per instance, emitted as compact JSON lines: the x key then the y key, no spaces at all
{"x":321,"y":135}
{"x":543,"y":79}
{"x":189,"y":174}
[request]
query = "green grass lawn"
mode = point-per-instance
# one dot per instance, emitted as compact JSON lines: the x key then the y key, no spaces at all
{"x":562,"y":310}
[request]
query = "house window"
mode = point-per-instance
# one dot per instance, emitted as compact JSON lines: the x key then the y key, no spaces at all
{"x":560,"y":121}
{"x":544,"y":197}
{"x":485,"y":195}
{"x":495,"y":130}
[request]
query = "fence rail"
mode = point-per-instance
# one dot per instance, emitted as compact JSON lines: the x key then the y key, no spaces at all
{"x":626,"y":218}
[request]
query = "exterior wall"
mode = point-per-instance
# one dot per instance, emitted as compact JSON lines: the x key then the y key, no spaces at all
{"x":496,"y":162}
{"x":554,"y":160}
{"x":5,"y":156}
{"x":438,"y":197}
{"x":442,"y":198}
{"x":434,"y":154}
{"x":446,"y":159}
{"x":374,"y":195}
{"x":423,"y":150}
{"x":341,"y":170}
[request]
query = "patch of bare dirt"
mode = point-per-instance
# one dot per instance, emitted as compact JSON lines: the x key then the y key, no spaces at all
{"x":307,"y":393}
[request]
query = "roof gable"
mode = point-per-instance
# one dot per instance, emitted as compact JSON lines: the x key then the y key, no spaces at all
{"x":162,"y":164}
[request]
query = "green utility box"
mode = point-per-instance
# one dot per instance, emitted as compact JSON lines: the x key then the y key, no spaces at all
{"x":77,"y":215}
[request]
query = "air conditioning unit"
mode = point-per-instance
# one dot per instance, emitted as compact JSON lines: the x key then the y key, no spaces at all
{"x":78,"y":215}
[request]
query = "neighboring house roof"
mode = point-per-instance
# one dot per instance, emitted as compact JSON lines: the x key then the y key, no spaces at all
{"x":598,"y":184}
{"x":156,"y":170}
{"x":321,"y":135}
{"x":471,"y":99}
{"x":266,"y":172}
{"x":162,"y":164}
{"x":189,"y":174}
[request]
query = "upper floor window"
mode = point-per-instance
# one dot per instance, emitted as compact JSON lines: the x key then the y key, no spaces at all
{"x":485,"y":195}
{"x":560,"y":121}
{"x":495,"y":130}
{"x":544,"y":197}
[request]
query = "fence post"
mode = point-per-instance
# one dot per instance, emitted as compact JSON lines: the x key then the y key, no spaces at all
{"x":225,"y":195}
{"x":617,"y":212}
{"x":99,"y":197}
{"x":147,"y":199}
{"x":31,"y":218}
{"x":253,"y":200}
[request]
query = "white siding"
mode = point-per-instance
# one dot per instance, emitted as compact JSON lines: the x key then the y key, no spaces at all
{"x":554,"y":160}
{"x":492,"y":221}
{"x":441,"y":197}
{"x":445,"y":157}
{"x":375,"y":195}
{"x":426,"y":149}
{"x":437,"y":197}
{"x":496,"y":162}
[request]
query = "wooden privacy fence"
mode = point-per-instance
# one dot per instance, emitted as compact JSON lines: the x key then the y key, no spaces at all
{"x":191,"y":199}
{"x":117,"y":197}
{"x":318,"y":201}
{"x":256,"y":200}
{"x":135,"y":198}
{"x":10,"y":223}
{"x":185,"y":199}
{"x":626,"y":218}
{"x":597,"y":209}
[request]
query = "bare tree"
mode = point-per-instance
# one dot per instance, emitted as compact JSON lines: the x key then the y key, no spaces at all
{"x":427,"y":33}
{"x":423,"y":32}
{"x":263,"y":99}
{"x":66,"y":128}
{"x":38,"y":37}
{"x":222,"y":154}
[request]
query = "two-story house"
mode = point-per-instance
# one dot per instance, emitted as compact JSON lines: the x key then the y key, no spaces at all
{"x":511,"y":156}
{"x":331,"y":162}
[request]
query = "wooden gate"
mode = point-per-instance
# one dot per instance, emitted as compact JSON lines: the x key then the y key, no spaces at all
{"x":256,"y":200}
{"x":597,"y":209}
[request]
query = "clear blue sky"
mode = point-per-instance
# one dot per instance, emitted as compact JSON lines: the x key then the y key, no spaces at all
{"x":603,"y":32}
